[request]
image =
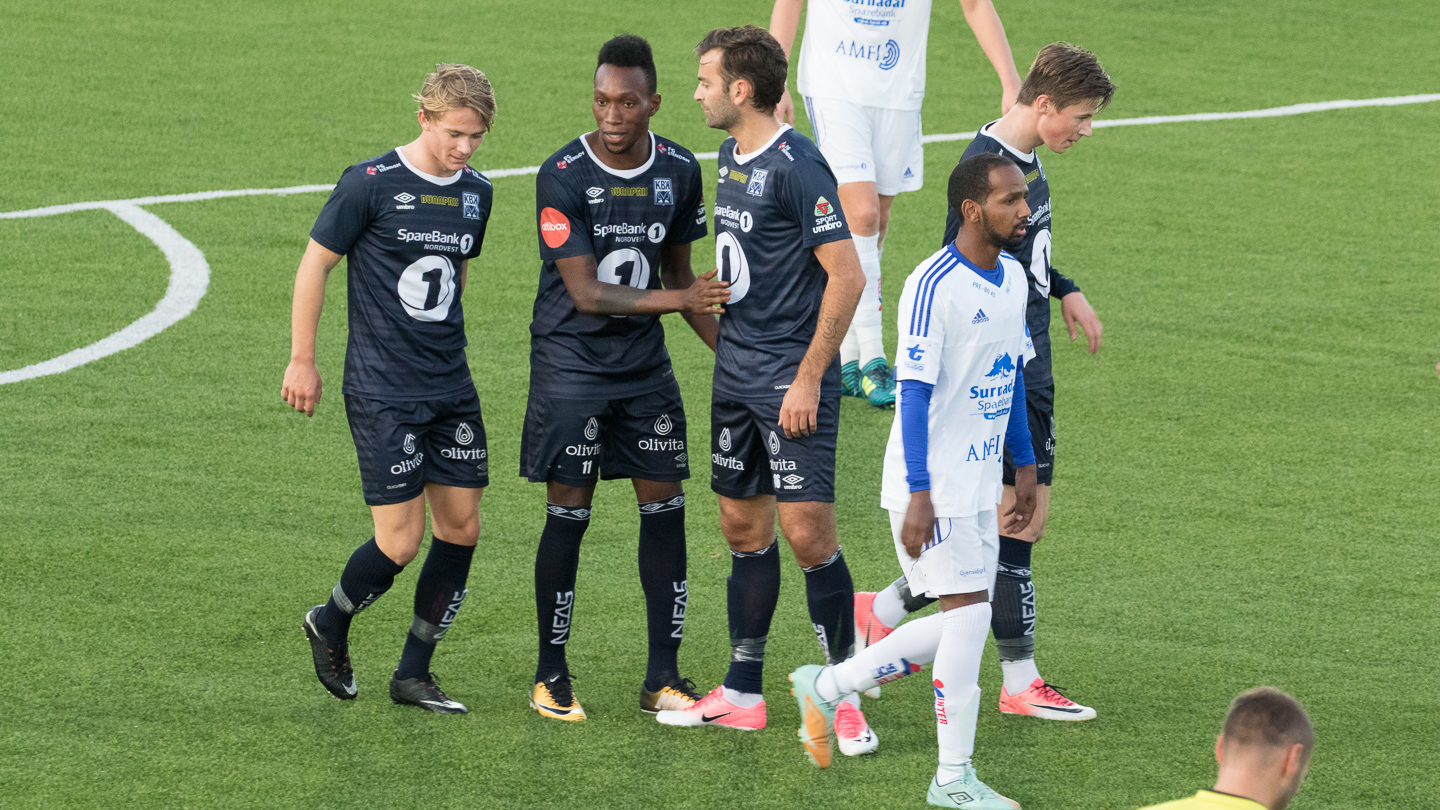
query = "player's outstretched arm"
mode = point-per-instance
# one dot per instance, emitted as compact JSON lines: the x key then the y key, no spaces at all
{"x":597,"y":297}
{"x":984,"y":21}
{"x":799,"y":410}
{"x":301,"y":387}
{"x":677,"y":273}
{"x":784,"y":22}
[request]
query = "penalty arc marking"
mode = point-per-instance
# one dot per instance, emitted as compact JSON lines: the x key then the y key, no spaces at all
{"x":190,"y":273}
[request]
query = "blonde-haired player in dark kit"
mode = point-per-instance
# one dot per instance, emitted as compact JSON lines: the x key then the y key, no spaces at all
{"x":409,"y":222}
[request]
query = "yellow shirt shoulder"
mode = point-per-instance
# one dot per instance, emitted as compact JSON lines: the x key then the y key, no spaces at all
{"x":1209,"y":800}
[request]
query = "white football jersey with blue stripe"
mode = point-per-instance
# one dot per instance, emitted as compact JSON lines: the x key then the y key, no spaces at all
{"x":962,"y":330}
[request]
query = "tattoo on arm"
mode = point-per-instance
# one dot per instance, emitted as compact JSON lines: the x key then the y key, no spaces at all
{"x":832,"y":330}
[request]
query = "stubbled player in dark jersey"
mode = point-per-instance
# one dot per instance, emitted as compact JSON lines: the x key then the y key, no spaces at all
{"x":782,"y":244}
{"x":617,"y":209}
{"x":1063,"y":91}
{"x":409,"y":222}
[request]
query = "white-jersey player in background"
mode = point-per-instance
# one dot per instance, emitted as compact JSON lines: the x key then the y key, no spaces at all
{"x":862,"y":75}
{"x":963,"y":346}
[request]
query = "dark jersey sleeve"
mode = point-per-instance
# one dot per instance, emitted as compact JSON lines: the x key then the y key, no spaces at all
{"x":1061,"y":285}
{"x":809,"y":196}
{"x":487,"y":199}
{"x":561,"y":220}
{"x":345,"y":215}
{"x":690,"y":219}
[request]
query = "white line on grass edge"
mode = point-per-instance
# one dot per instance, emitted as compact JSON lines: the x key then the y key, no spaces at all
{"x":190,"y":273}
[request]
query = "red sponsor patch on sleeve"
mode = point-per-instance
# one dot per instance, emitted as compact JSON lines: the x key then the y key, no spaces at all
{"x":554,"y":227}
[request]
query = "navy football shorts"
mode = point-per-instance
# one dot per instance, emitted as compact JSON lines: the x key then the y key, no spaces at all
{"x":404,"y":445}
{"x":749,"y":454}
{"x":577,"y":441}
{"x":1040,"y":413}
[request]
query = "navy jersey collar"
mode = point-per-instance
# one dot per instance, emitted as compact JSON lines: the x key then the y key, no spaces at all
{"x":1025,"y":157}
{"x":623,"y":174}
{"x":994,"y":276}
{"x":746,"y":158}
{"x":439,"y":181}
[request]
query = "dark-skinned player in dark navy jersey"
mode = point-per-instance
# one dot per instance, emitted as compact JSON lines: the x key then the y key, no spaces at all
{"x":616,"y":210}
{"x":1065,"y":88}
{"x":408,"y":222}
{"x":794,"y":277}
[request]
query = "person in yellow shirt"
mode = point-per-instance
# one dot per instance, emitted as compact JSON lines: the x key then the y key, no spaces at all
{"x":1264,"y":753}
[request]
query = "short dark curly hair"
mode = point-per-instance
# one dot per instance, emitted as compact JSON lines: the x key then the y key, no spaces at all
{"x":750,"y":53}
{"x":628,"y":50}
{"x":971,"y":179}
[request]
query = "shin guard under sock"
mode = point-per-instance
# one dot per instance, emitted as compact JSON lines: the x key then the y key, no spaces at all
{"x":662,"y":577}
{"x":556,"y":561}
{"x":439,"y":592}
{"x":752,"y":591}
{"x":1014,"y":604}
{"x":830,"y":595}
{"x":367,"y":576}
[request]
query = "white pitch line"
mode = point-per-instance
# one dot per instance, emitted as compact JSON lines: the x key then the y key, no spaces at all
{"x":190,"y":273}
{"x":1271,"y":112}
{"x":189,"y":278}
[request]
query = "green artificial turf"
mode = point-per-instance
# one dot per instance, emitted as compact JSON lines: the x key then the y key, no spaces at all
{"x":1246,"y":471}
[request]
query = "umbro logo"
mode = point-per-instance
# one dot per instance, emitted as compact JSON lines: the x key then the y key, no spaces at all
{"x":979,"y":317}
{"x":594,"y":191}
{"x":404,"y":197}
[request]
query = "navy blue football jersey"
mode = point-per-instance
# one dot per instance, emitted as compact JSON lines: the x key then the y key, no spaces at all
{"x":1033,"y":252}
{"x":405,"y":234}
{"x":622,"y":218}
{"x":772,"y":208}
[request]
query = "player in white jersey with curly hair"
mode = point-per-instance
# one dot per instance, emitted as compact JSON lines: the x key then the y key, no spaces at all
{"x":862,"y":76}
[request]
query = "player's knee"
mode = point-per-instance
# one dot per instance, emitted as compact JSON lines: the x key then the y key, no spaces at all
{"x":463,"y":533}
{"x":811,"y":544}
{"x":863,"y":219}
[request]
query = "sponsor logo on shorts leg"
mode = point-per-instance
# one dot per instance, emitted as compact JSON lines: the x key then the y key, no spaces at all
{"x":463,"y":434}
{"x":582,"y":450}
{"x":774,"y":444}
{"x":592,"y":429}
{"x":728,"y":462}
{"x":462,"y":454}
{"x":663,"y":425}
{"x":408,"y":445}
{"x":725,"y":439}
{"x":664,"y":445}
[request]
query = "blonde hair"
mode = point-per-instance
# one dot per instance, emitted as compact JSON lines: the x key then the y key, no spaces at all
{"x":455,"y":86}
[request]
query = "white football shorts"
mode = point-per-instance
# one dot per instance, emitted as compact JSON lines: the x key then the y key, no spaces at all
{"x":960,"y":557}
{"x":869,"y":144}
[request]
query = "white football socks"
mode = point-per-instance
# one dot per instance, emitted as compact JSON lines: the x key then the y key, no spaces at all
{"x":850,"y":346}
{"x":903,"y":652}
{"x":957,"y":688}
{"x":888,"y":607}
{"x":744,"y":700}
{"x":1019,"y":675}
{"x":867,"y":323}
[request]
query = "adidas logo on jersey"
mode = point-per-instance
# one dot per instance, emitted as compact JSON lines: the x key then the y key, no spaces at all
{"x":979,"y":317}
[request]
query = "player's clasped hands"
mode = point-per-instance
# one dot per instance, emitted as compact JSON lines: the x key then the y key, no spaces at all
{"x":707,"y":295}
{"x":301,"y":387}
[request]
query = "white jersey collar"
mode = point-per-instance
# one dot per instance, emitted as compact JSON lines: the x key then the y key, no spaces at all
{"x":623,"y":174}
{"x":743,"y":159}
{"x":439,"y":181}
{"x":1028,"y":157}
